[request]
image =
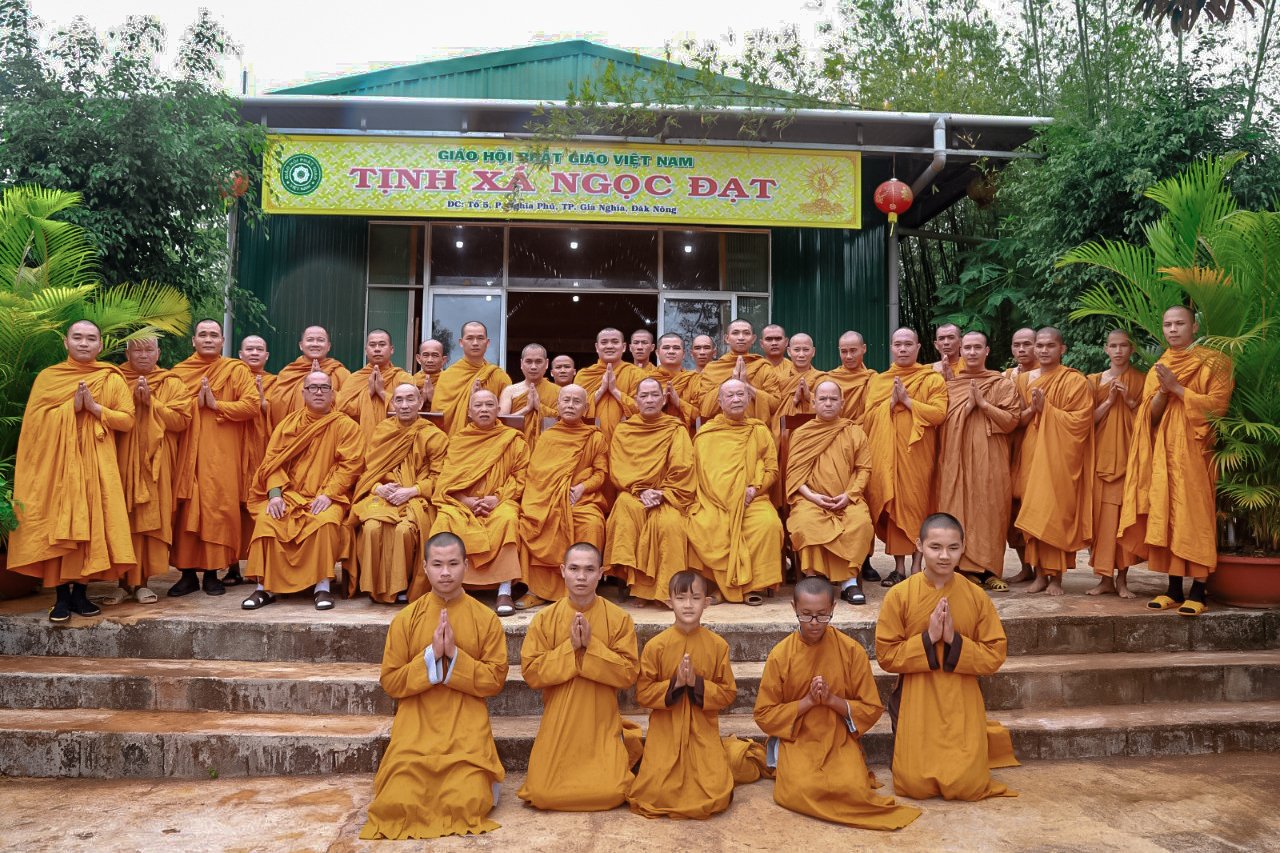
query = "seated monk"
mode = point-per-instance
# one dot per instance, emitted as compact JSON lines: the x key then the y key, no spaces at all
{"x":610,"y":383}
{"x":365,"y":396}
{"x":742,"y":364}
{"x":563,"y":502}
{"x":733,"y":530}
{"x":391,"y":510}
{"x":651,"y":466}
{"x":470,"y":373}
{"x":682,"y":388}
{"x":563,"y":370}
{"x":73,"y":522}
{"x":430,"y":361}
{"x":795,"y":391}
{"x":641,"y":347}
{"x":534,"y":398}
{"x":285,"y":396}
{"x":257,"y":432}
{"x":703,"y":351}
{"x":940,"y":633}
{"x":817,"y":700}
{"x":477,"y":497}
{"x":828,"y":464}
{"x":580,"y":652}
{"x":148,"y":455}
{"x":445,"y":655}
{"x":300,"y":496}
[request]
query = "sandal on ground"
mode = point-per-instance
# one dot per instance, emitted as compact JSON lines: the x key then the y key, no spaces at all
{"x":142,"y":595}
{"x":753,"y":599}
{"x":260,"y":599}
{"x":324,"y":600}
{"x":118,"y":595}
{"x":894,"y":577}
{"x":233,"y":577}
{"x":714,"y":598}
{"x":506,"y":606}
{"x":1191,"y":607}
{"x":529,"y":600}
{"x":853,"y":595}
{"x":1163,"y":602}
{"x":995,"y":584}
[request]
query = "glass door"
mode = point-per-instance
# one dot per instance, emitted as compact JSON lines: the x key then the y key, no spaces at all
{"x":691,"y":314}
{"x":451,"y":307}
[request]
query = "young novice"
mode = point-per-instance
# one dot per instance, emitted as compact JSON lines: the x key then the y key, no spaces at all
{"x":445,"y":654}
{"x":580,"y":652}
{"x":686,"y":680}
{"x":939,"y":634}
{"x":817,"y":698}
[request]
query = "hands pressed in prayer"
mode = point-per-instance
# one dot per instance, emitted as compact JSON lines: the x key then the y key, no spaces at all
{"x":579,"y":632}
{"x":450,"y":643}
{"x":531,"y":401}
{"x":315,"y":365}
{"x":948,"y":624}
{"x":685,"y":674}
{"x":947,"y":373}
{"x":86,"y":402}
{"x":437,"y":638}
{"x":1168,"y":382}
{"x":1037,"y":400}
{"x":142,"y":392}
{"x":205,"y":398}
{"x":802,"y":393}
{"x":262,"y":397}
{"x":650,"y":498}
{"x":899,"y":397}
{"x":739,"y":370}
{"x":937,"y":621}
{"x":319,"y":504}
{"x":377,"y":386}
{"x":672,"y":397}
{"x":276,"y":507}
{"x":575,"y":493}
{"x":428,"y":389}
{"x":975,"y":398}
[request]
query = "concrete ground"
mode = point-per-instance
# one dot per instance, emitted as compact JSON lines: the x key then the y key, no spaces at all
{"x":1202,"y":803}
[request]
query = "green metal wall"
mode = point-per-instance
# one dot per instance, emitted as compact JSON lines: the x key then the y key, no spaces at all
{"x":307,"y":270}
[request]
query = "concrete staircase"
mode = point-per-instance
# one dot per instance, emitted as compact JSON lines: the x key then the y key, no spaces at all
{"x":203,"y":690}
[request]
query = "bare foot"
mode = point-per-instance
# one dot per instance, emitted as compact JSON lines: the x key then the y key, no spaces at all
{"x":1041,"y":584}
{"x":1055,"y":585}
{"x":1027,"y":574}
{"x":1105,"y":587}
{"x":1122,"y":584}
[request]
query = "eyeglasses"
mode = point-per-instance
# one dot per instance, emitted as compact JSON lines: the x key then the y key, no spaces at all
{"x":820,"y":618}
{"x":316,"y":389}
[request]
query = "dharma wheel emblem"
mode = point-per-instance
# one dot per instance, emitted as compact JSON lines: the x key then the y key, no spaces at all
{"x":301,"y":174}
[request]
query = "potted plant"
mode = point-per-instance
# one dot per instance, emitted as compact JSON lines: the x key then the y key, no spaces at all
{"x":1223,"y":259}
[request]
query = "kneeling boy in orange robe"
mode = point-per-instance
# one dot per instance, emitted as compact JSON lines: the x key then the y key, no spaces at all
{"x":939,"y":633}
{"x":817,"y":699}
{"x":686,"y":681}
{"x":580,"y":652}
{"x":445,"y":655}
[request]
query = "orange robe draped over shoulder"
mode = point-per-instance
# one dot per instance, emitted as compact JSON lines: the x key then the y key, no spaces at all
{"x":853,"y":384}
{"x":437,"y":775}
{"x":367,"y":410}
{"x":739,"y":544}
{"x":787,"y":387}
{"x":609,"y":411}
{"x":1168,"y":517}
{"x":831,"y":458}
{"x":944,"y":746}
{"x":454,"y":386}
{"x":548,"y":407}
{"x":285,"y":396}
{"x":73,"y":522}
{"x":549,"y":524}
{"x":821,"y":766}
{"x":1111,"y":453}
{"x":579,"y":760}
{"x":688,"y":386}
{"x":760,"y":374}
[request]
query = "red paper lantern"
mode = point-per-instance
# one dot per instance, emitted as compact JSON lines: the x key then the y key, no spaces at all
{"x":237,"y":186}
{"x":893,"y":197}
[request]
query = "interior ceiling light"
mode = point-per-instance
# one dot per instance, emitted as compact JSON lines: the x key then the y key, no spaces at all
{"x":573,"y":244}
{"x":687,"y":248}
{"x":575,"y":297}
{"x":458,"y":244}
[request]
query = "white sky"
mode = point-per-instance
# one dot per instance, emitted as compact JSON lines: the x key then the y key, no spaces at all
{"x":288,"y":42}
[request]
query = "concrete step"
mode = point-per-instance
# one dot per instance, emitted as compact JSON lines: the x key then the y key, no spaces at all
{"x":116,"y":744}
{"x":1029,"y":681}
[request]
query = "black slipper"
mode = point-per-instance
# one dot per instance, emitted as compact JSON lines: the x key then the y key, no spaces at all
{"x":853,"y":595}
{"x":893,"y":578}
{"x":260,"y":599}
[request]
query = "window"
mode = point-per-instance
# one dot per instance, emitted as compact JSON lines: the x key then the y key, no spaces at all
{"x":466,"y":255}
{"x":395,"y":254}
{"x":689,"y":318}
{"x":450,"y":310}
{"x":583,"y":258}
{"x":690,"y":260}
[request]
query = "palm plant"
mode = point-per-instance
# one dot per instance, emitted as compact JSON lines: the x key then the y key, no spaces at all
{"x":1183,"y":14}
{"x":1226,"y":261}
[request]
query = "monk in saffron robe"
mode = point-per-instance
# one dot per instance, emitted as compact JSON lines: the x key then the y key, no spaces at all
{"x":286,"y":396}
{"x":641,"y":347}
{"x":1057,"y":462}
{"x":1168,"y":516}
{"x":563,"y":370}
{"x":610,"y":383}
{"x":534,"y":398}
{"x":682,"y":388}
{"x":430,"y":359}
{"x":703,"y":351}
{"x":477,"y":497}
{"x":73,"y":521}
{"x":253,"y":352}
{"x":817,"y":700}
{"x":686,"y":681}
{"x":795,"y":392}
{"x":1023,"y":349}
{"x":562,"y":502}
{"x":983,"y":407}
{"x":745,"y":366}
{"x":946,"y":340}
{"x":828,"y":465}
{"x":939,"y":633}
{"x":734,"y":532}
{"x":391,"y":511}
{"x":301,"y":495}
{"x":466,"y":375}
{"x":852,"y":376}
{"x":445,"y":655}
{"x":580,"y":652}
{"x":1117,"y":391}
{"x":148,"y":454}
{"x":651,"y":465}
{"x":209,"y":478}
{"x":365,"y":396}
{"x":905,"y":405}
{"x":773,"y":343}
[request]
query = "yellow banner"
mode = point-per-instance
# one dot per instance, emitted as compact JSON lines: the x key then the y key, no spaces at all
{"x":482,"y":178}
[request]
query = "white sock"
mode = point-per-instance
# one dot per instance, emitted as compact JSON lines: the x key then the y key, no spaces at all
{"x":322,"y":586}
{"x":260,"y":588}
{"x":504,"y":588}
{"x":850,"y":582}
{"x":402,"y":598}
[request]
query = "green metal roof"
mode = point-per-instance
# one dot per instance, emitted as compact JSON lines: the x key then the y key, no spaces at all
{"x":542,"y":72}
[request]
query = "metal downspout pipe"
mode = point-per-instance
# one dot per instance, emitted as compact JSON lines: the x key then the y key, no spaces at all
{"x":927,"y":177}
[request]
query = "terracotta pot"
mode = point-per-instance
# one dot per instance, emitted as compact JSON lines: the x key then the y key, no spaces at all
{"x":1246,"y":581}
{"x":12,"y":584}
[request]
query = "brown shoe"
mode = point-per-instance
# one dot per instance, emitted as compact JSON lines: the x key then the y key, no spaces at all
{"x":528,"y":601}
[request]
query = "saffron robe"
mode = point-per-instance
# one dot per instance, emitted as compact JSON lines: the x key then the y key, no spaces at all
{"x":760,"y":374}
{"x":548,"y":407}
{"x":478,"y":463}
{"x":209,"y":482}
{"x":740,"y":545}
{"x":787,"y":387}
{"x":821,"y":766}
{"x":257,"y":432}
{"x":853,"y":384}
{"x":904,"y":450}
{"x":419,"y":379}
{"x":1057,"y":460}
{"x":686,"y":771}
{"x":1111,"y":453}
{"x":831,"y":458}
{"x":1021,"y":380}
{"x":649,"y":545}
{"x":608,"y":411}
{"x":454,"y":387}
{"x":148,"y":454}
{"x":1168,"y":517}
{"x":355,"y":401}
{"x":285,"y":396}
{"x":944,"y":746}
{"x":309,"y":455}
{"x":973,"y":466}
{"x":387,"y":558}
{"x":579,"y":761}
{"x":688,"y":386}
{"x":549,"y":524}
{"x":438,"y":773}
{"x":73,"y":521}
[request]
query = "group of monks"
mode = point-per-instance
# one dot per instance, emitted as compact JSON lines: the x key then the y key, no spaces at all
{"x":446,"y":653}
{"x":733,"y":469}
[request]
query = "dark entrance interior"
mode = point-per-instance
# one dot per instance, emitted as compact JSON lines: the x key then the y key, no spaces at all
{"x":567,"y":323}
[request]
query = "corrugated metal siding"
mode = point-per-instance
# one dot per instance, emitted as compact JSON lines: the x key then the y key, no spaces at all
{"x":308,"y":270}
